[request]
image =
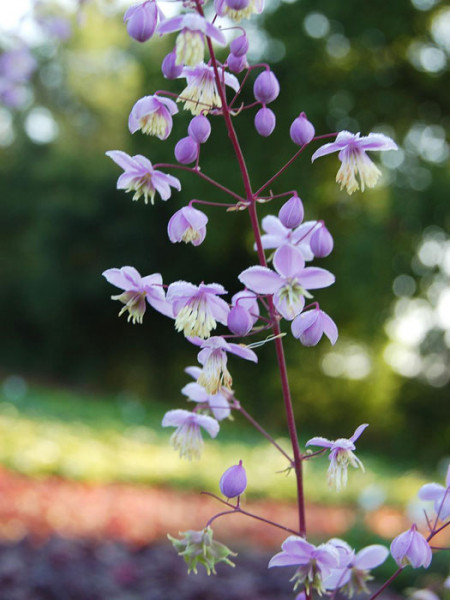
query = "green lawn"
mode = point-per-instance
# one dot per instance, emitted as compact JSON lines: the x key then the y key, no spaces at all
{"x":78,"y":436}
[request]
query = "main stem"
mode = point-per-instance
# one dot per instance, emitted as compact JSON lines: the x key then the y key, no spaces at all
{"x":250,"y":196}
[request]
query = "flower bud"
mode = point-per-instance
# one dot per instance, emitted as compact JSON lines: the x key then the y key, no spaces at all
{"x":302,"y":131}
{"x":248,"y":300}
{"x":291,"y":213}
{"x":321,"y":242}
{"x":169,"y":68}
{"x":309,"y":326}
{"x":234,"y":481}
{"x":265,"y":121}
{"x":410,"y":547}
{"x":141,"y":20}
{"x":237,"y":4}
{"x":186,"y":150}
{"x":239,"y":46}
{"x":187,"y":225}
{"x":236,"y":64}
{"x":239,"y":320}
{"x":199,"y":129}
{"x":266,"y":87}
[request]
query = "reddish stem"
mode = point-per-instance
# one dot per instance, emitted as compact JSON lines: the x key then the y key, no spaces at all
{"x":237,"y":509}
{"x":291,"y":160}
{"x":386,"y":583}
{"x":257,"y":426}
{"x":251,"y":197}
{"x":203,"y":176}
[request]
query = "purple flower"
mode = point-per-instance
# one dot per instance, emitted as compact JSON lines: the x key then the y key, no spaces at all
{"x":290,"y":282}
{"x":237,"y":64}
{"x":197,"y":308}
{"x":248,"y":300}
{"x":140,"y":176}
{"x":291,"y":213}
{"x":244,"y":312}
{"x":239,"y":46}
{"x":321,"y":241}
{"x":201,"y":94}
{"x":341,"y":454}
{"x":187,"y":438}
{"x":186,"y":150}
{"x":199,"y":129}
{"x":353,"y":571}
{"x":217,"y":403}
{"x":278,"y":235}
{"x":411,"y":548}
{"x":152,"y":115}
{"x":440,"y":495}
{"x":266,"y":87}
{"x":309,"y":326}
{"x":352,"y":154}
{"x":314,"y":563}
{"x":191,"y":41}
{"x":265,"y":121}
{"x":238,"y":9}
{"x":302,"y":131}
{"x":213,"y":358}
{"x":239,"y":321}
{"x":234,"y":481}
{"x":142,"y":19}
{"x":187,"y":225}
{"x":137,"y":290}
{"x":169,"y":69}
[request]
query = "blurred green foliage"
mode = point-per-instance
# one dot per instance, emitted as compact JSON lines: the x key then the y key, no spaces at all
{"x":64,"y":222}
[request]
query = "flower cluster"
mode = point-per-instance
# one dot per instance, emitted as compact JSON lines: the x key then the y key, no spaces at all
{"x":275,"y":295}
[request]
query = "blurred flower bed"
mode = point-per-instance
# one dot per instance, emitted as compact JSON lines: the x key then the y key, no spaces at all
{"x":93,"y":439}
{"x":87,"y":496}
{"x":80,"y":570}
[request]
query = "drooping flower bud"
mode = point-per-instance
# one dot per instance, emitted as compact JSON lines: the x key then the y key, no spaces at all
{"x":239,"y":320}
{"x":410,"y":547}
{"x":169,"y":68}
{"x":266,"y":87}
{"x":291,"y":213}
{"x":237,"y":4}
{"x":199,"y":129}
{"x":302,"y":131}
{"x":141,"y":20}
{"x":239,"y":46}
{"x":309,"y":326}
{"x":186,"y":150}
{"x":187,"y":225}
{"x":265,"y":121}
{"x":236,"y":64}
{"x":321,"y":242}
{"x":234,"y":481}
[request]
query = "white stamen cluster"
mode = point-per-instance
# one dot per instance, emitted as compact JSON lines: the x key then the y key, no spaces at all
{"x":357,"y":163}
{"x":201,"y":95}
{"x":215,"y":374}
{"x":154,"y":124}
{"x":189,"y":48}
{"x":195,"y":319}
{"x":187,"y":439}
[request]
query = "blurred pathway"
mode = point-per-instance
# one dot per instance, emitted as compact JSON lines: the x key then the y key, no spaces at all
{"x":140,"y":515}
